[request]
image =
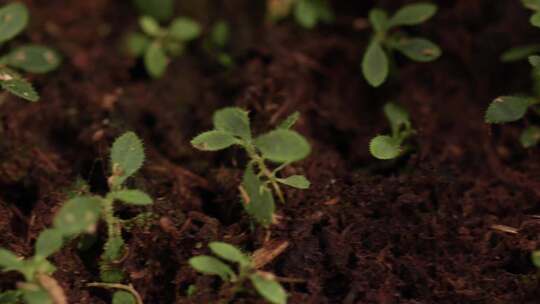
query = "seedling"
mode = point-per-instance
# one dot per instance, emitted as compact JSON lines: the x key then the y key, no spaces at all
{"x":157,"y":45}
{"x":525,"y":51}
{"x":265,"y":283}
{"x":216,"y":43}
{"x":391,"y":146}
{"x":506,"y":109}
{"x":281,"y":146}
{"x":308,"y":13}
{"x":30,"y":58}
{"x":78,"y":215}
{"x":376,"y":62}
{"x":127,"y":157}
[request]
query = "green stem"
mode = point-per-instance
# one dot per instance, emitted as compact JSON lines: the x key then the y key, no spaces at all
{"x":263,"y":169}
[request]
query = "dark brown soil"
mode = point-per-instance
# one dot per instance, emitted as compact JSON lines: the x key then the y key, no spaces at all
{"x":417,"y":230}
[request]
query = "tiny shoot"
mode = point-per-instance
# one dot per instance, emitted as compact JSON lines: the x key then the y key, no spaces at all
{"x":279,"y":147}
{"x":391,"y":146}
{"x":157,"y":44}
{"x":307,"y":13}
{"x":388,"y":38}
{"x":264,"y":283}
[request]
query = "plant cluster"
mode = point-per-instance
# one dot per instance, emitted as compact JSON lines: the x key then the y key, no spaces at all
{"x":216,"y":43}
{"x":30,"y":58}
{"x":307,"y":13}
{"x":376,"y":62}
{"x":391,"y":146}
{"x":157,"y":44}
{"x":264,"y":283}
{"x":281,"y":146}
{"x":79,"y":215}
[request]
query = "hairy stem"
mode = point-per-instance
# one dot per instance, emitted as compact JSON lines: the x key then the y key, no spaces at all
{"x":264,"y":170}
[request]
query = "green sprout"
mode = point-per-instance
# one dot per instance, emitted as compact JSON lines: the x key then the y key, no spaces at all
{"x":78,"y":215}
{"x":217,"y":41}
{"x":157,"y":45}
{"x":127,"y":157}
{"x":281,"y":146}
{"x":308,"y":13}
{"x":391,"y":146}
{"x":533,"y":5}
{"x":376,"y":62}
{"x":30,"y":58}
{"x":265,"y":283}
{"x":506,"y":109}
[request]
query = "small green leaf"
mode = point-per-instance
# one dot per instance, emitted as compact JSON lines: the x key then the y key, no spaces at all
{"x":38,"y":296}
{"x":184,"y":29}
{"x":397,"y":116}
{"x":534,"y":60}
{"x":150,"y":26}
{"x":10,"y":261}
{"x":531,"y":4}
{"x":535,"y":257}
{"x":506,"y":109}
{"x":10,"y":297}
{"x":384,"y":147}
{"x":234,"y":121}
{"x":229,"y":252}
{"x":34,"y":58}
{"x":49,"y":242}
{"x":419,"y":49}
{"x":296,"y":181}
{"x":161,"y":10}
{"x":18,"y":86}
{"x":78,"y":215}
{"x":220,"y":34}
{"x":530,"y":137}
{"x":306,"y":13}
{"x":133,"y":197}
{"x":212,"y":266}
{"x":269,"y":289}
{"x":155,"y":60}
{"x":413,"y":14}
{"x":283,"y":146}
{"x":378,"y":19}
{"x":13,"y":19}
{"x":123,"y":297}
{"x":127,"y":156}
{"x":213,"y":141}
{"x":375,"y":66}
{"x":136,"y":44}
{"x":520,"y":53}
{"x":290,"y":121}
{"x":113,"y":249}
{"x":259,"y":202}
{"x":535,"y":19}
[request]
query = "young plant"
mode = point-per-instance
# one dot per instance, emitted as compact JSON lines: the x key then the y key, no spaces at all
{"x":216,"y":43}
{"x":265,"y":283}
{"x":377,"y":58}
{"x":30,"y":58}
{"x":308,"y":13}
{"x":506,"y":109}
{"x":391,"y":146}
{"x":78,"y":215}
{"x":127,"y":157}
{"x":157,"y":44}
{"x":281,"y":146}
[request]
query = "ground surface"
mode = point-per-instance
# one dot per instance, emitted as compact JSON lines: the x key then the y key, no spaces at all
{"x":418,"y":230}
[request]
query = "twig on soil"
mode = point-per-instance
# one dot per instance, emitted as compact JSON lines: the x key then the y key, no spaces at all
{"x":505,"y":228}
{"x":268,"y":253}
{"x":129,"y":288}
